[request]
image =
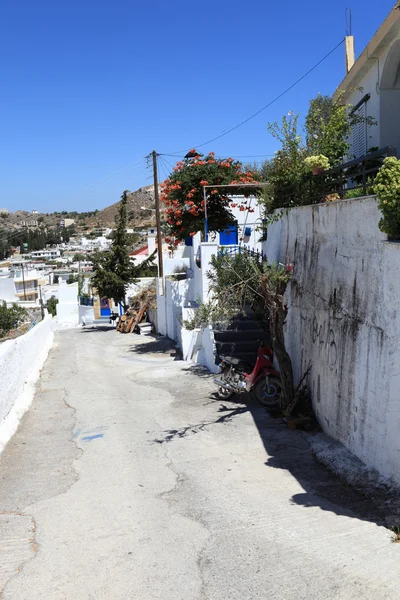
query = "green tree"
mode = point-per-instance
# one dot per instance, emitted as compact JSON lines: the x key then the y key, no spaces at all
{"x":10,"y":317}
{"x":78,"y":256}
{"x":113,"y":270}
{"x":287,"y":172}
{"x":328,"y":126}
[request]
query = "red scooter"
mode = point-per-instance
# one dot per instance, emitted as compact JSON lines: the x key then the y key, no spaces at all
{"x":263,"y":382}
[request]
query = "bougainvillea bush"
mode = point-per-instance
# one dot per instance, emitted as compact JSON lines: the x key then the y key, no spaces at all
{"x":182,"y":193}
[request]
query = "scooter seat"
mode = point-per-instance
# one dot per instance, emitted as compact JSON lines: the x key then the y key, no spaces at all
{"x":241,"y":365}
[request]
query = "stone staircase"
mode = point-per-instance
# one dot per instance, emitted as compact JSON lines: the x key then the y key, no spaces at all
{"x":240,"y":338}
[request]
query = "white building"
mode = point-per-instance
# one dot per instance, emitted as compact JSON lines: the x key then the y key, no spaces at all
{"x":66,"y":222}
{"x":49,"y":253}
{"x":377,"y":72}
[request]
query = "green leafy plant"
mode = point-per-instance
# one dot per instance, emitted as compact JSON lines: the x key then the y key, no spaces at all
{"x":318,"y":161}
{"x":387,"y":189}
{"x":72,"y":279}
{"x":10,"y":317}
{"x":239,"y":282}
{"x":328,"y":125}
{"x":113,"y":270}
{"x":287,"y":172}
{"x":51,"y":306}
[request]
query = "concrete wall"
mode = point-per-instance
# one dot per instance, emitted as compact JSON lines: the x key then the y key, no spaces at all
{"x":20,"y":363}
{"x":344,"y":302}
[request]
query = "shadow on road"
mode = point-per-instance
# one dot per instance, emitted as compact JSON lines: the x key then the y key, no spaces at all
{"x":286,"y":449}
{"x":227,"y":414}
{"x":97,"y":328}
{"x":156,"y":345}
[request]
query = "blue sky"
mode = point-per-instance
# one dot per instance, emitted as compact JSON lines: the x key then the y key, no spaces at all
{"x":89,"y":88}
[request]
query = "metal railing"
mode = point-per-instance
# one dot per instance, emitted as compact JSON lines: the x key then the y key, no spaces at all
{"x":236,"y":249}
{"x":357,"y":174}
{"x":354,"y":178}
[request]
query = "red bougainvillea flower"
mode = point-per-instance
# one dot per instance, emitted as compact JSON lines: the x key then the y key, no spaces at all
{"x":182,"y":194}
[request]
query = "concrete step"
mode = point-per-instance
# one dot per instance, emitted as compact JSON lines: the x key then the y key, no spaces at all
{"x":145,"y":328}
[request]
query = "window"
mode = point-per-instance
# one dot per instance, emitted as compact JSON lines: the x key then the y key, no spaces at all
{"x":359,"y":133}
{"x":358,"y":136}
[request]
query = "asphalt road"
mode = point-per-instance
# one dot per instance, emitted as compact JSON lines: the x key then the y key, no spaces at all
{"x":127,"y":480}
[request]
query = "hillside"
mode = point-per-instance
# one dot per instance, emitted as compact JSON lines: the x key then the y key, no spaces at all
{"x":136,"y":215}
{"x":87,"y":220}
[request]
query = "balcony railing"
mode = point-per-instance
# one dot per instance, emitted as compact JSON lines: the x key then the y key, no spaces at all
{"x":357,"y":174}
{"x":353,"y":179}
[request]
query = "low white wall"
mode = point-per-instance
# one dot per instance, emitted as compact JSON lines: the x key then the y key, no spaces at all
{"x":141,"y":283}
{"x":67,"y":307}
{"x":172,"y":264}
{"x":344,"y":302}
{"x":20,"y":363}
{"x":86,"y":314}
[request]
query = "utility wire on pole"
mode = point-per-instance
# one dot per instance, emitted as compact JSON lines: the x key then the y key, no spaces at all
{"x":158,"y":221}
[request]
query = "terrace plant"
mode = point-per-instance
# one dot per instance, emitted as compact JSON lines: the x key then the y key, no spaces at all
{"x":387,"y":189}
{"x":317,"y":163}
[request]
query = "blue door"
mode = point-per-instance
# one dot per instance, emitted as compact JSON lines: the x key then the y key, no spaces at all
{"x":229,"y":237}
{"x":105,"y":310}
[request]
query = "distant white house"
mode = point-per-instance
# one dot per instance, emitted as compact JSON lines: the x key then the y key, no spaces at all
{"x":377,"y":72}
{"x":48,"y":253}
{"x":66,"y":222}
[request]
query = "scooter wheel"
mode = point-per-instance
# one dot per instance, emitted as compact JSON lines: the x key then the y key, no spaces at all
{"x":268,"y":391}
{"x":224,"y":393}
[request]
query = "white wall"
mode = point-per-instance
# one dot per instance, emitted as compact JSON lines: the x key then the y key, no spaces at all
{"x":20,"y":363}
{"x":86,"y":314}
{"x":7,"y":290}
{"x":141,"y":283}
{"x":67,"y":307}
{"x":174,"y":307}
{"x":171,"y":264}
{"x":344,"y":302}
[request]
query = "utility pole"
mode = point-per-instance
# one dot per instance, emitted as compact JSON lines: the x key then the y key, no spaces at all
{"x":158,"y":221}
{"x":23,"y":280}
{"x":41,"y":302}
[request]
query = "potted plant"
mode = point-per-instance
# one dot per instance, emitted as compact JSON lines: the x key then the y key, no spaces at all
{"x":317,"y":164}
{"x":387,"y":189}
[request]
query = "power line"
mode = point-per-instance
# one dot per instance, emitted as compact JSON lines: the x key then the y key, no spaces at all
{"x":163,"y":168}
{"x":267,"y":105}
{"x":129,"y":166}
